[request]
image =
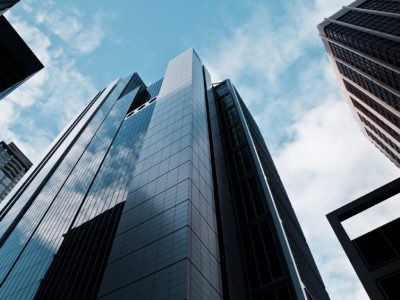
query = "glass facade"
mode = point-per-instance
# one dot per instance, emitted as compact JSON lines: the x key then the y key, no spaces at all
{"x":387,"y":5}
{"x":138,"y":199}
{"x":363,"y":43}
{"x":275,"y":257}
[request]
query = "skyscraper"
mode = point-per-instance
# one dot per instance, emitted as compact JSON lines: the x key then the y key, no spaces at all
{"x":13,"y":165}
{"x":363,"y":43}
{"x":162,"y":191}
{"x":6,"y":4}
{"x":17,"y":61}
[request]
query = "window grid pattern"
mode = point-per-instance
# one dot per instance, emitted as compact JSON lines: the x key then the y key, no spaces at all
{"x":78,"y":266}
{"x":232,"y":261}
{"x":45,"y":241}
{"x":154,"y":88}
{"x":128,"y":203}
{"x":63,"y":156}
{"x":262,"y":252}
{"x":47,"y":161}
{"x":379,"y":5}
{"x":110,"y":187}
{"x":15,"y":242}
{"x":12,"y":170}
{"x":204,"y":251}
{"x":379,"y":133}
{"x":369,"y":67}
{"x":169,"y":216}
{"x":301,"y":252}
{"x":383,"y":94}
{"x":382,"y":260}
{"x":383,"y":49}
{"x":378,"y":121}
{"x":386,"y":150}
{"x":384,"y":24}
{"x":373,"y":104}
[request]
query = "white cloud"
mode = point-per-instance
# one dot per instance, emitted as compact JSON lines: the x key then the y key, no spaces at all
{"x":268,"y":44}
{"x":327,"y":164}
{"x":33,"y":114}
{"x":258,"y":46}
{"x":279,"y":67}
{"x":83,"y":34}
{"x":69,"y":92}
{"x":373,"y":217}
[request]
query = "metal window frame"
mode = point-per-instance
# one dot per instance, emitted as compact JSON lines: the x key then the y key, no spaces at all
{"x":351,"y":209}
{"x":298,"y":285}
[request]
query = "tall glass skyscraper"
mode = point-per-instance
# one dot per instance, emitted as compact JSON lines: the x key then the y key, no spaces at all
{"x":164,"y":191}
{"x":363,"y":43}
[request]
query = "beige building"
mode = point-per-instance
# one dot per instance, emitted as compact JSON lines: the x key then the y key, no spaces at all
{"x":363,"y":43}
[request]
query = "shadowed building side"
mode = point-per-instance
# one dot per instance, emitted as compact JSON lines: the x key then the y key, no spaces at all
{"x":6,"y":4}
{"x":261,"y":234}
{"x":17,"y":61}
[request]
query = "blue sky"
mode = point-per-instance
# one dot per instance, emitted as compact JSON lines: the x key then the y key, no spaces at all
{"x":270,"y":50}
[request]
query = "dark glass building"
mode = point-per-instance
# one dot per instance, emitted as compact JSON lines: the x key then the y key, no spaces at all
{"x":6,"y":4}
{"x":13,"y":165}
{"x":164,"y":191}
{"x":363,"y":43}
{"x":375,"y":255}
{"x":17,"y":61}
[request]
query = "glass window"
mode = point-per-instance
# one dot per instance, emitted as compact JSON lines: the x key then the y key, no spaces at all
{"x":6,"y":180}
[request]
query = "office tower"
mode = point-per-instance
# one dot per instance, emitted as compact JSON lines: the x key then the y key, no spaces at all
{"x":363,"y":44}
{"x":162,"y":191}
{"x":17,"y":62}
{"x":13,"y":165}
{"x":375,"y":255}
